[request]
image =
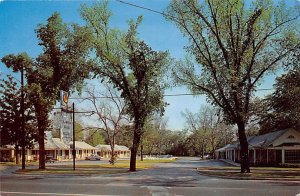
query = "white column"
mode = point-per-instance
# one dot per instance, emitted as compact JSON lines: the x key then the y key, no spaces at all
{"x":282,"y":156}
{"x":28,"y":157}
{"x":234,"y":155}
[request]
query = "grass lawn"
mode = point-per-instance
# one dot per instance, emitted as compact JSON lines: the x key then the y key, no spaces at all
{"x":256,"y":173}
{"x":121,"y":166}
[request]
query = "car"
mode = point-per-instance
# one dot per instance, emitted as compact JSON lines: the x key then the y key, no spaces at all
{"x":207,"y":156}
{"x":49,"y":159}
{"x":93,"y":157}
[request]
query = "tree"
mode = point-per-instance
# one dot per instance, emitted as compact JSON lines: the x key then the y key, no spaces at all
{"x":95,"y":137}
{"x":78,"y":132}
{"x":126,"y":137}
{"x":282,"y":108}
{"x":110,"y":113}
{"x":156,"y":137}
{"x":208,"y":130}
{"x":10,"y":118}
{"x":179,"y":145}
{"x":130,"y":65}
{"x":235,"y":46}
{"x":63,"y":65}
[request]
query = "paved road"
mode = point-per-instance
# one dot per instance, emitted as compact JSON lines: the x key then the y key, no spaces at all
{"x":179,"y":178}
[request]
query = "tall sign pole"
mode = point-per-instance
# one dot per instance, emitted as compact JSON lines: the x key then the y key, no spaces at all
{"x":22,"y":118}
{"x":66,"y":126}
{"x":74,"y":149}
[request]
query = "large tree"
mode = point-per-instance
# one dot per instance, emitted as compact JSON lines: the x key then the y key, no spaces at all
{"x":63,"y":65}
{"x":130,"y":65}
{"x":11,"y":119}
{"x":234,"y":46}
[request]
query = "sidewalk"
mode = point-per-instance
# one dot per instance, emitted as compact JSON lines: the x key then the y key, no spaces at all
{"x":230,"y":162}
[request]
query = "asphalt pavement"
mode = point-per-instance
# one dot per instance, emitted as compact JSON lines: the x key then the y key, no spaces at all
{"x":178,"y":178}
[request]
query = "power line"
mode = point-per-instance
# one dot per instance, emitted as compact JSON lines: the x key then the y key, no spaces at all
{"x":144,"y":8}
{"x":166,"y":95}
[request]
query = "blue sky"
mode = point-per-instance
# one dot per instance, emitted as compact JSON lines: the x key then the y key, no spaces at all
{"x":19,"y":19}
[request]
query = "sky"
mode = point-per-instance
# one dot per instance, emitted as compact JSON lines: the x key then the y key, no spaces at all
{"x":19,"y":19}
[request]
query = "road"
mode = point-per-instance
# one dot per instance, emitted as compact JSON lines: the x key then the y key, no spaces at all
{"x":178,"y":178}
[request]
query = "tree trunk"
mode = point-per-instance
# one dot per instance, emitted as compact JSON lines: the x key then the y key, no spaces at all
{"x":134,"y":150}
{"x":142,"y":159}
{"x":17,"y":154}
{"x":113,"y":158}
{"x":23,"y":154}
{"x":42,"y":164}
{"x":244,"y":148}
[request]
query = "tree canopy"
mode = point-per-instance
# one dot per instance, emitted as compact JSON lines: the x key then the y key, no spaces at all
{"x":63,"y":65}
{"x":233,"y":46}
{"x":130,"y":65}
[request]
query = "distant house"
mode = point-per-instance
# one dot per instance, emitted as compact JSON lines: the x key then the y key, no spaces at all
{"x":83,"y":149}
{"x":54,"y":147}
{"x":105,"y":151}
{"x":7,"y":153}
{"x":280,"y":147}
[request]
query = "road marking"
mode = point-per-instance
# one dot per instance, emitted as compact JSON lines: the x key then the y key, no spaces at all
{"x":30,"y":193}
{"x":298,"y":194}
{"x":158,"y":190}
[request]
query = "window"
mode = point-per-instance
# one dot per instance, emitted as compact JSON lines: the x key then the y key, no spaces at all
{"x":291,"y":137}
{"x":292,"y":156}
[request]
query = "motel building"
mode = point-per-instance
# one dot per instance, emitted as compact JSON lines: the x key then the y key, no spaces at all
{"x":276,"y":148}
{"x":54,"y":148}
{"x":105,"y":151}
{"x":58,"y":150}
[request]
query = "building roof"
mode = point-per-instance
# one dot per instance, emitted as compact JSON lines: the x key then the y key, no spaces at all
{"x":228,"y":147}
{"x":53,"y":144}
{"x":107,"y":148}
{"x":266,"y":139}
{"x":82,"y":146}
{"x":260,"y":141}
{"x":58,"y":144}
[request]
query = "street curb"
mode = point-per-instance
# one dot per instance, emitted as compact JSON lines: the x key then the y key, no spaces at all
{"x":245,"y":178}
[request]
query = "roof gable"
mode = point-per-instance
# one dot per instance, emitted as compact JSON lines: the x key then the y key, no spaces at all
{"x":290,"y":137}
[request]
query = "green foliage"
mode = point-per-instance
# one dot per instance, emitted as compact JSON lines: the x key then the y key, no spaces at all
{"x":95,"y":138}
{"x":282,"y":108}
{"x":234,"y":46}
{"x":78,"y":132}
{"x":157,"y":139}
{"x":63,"y":65}
{"x":129,"y":64}
{"x":10,"y":118}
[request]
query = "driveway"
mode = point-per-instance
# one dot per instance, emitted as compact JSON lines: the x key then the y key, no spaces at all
{"x":178,"y":178}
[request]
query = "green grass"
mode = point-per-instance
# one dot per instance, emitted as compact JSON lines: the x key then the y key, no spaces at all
{"x":70,"y":171}
{"x":20,"y":164}
{"x":121,"y":166}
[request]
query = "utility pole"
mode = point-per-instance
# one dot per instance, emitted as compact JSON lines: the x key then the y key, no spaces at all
{"x":74,"y":149}
{"x":22,"y":118}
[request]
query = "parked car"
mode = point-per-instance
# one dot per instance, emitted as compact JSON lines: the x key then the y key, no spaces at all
{"x":207,"y":156}
{"x":49,"y":159}
{"x":93,"y":157}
